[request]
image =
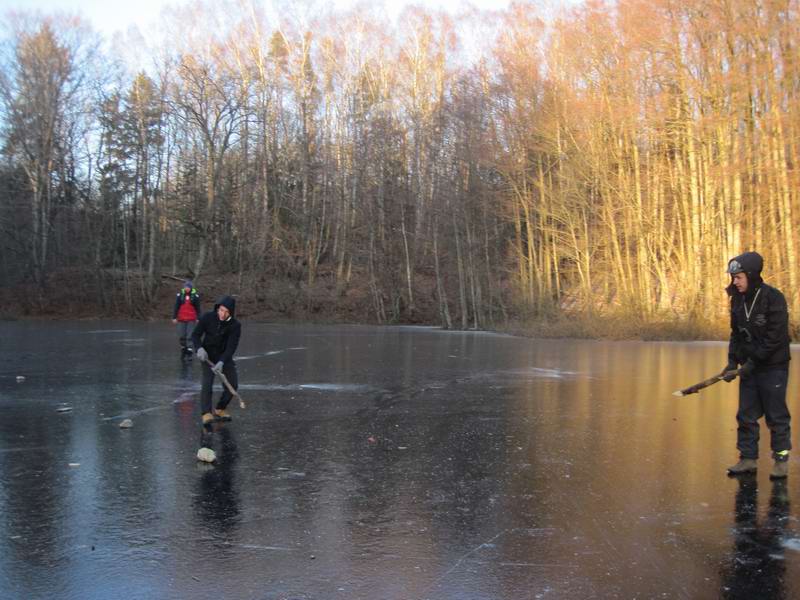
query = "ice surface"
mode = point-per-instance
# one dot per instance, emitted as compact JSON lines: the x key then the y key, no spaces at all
{"x":381,"y":463}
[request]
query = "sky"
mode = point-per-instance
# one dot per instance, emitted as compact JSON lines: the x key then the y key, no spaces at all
{"x":132,"y":27}
{"x":109,"y":17}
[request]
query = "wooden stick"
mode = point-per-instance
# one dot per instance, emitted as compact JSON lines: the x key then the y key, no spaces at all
{"x":228,"y":385}
{"x":693,"y":389}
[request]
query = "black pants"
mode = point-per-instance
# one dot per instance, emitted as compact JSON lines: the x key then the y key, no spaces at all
{"x":229,"y":370}
{"x":763,"y":394}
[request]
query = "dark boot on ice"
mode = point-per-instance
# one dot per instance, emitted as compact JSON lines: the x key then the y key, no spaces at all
{"x":223,"y":415}
{"x":780,"y":470}
{"x":745,"y":465}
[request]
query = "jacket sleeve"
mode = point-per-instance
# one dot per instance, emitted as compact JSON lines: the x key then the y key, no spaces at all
{"x":196,"y":303}
{"x":732,"y":341}
{"x":197,"y":334}
{"x":776,"y":330}
{"x":232,"y":343}
{"x":177,"y":306}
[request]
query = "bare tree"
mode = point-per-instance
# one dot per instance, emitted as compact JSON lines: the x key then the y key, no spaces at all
{"x":42,"y":87}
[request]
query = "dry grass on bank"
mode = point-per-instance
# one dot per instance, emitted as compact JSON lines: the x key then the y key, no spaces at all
{"x":618,"y":327}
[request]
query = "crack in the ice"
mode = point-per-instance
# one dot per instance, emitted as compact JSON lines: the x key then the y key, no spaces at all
{"x":485,"y":544}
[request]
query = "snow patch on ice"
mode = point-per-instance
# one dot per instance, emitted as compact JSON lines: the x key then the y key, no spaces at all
{"x":334,"y":387}
{"x":258,"y":547}
{"x":251,"y":357}
{"x":323,"y":387}
{"x":270,"y":353}
{"x":540,"y":373}
{"x":108,"y":331}
{"x":185,"y":397}
{"x":133,"y":413}
{"x":792,"y":544}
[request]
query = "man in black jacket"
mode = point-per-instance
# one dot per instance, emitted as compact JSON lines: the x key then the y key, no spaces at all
{"x":760,"y":344}
{"x":215,"y":339}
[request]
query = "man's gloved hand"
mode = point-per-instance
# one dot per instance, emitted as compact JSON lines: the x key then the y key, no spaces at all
{"x":202,"y":354}
{"x":217,"y":368}
{"x":729,"y":373}
{"x":747,"y":368}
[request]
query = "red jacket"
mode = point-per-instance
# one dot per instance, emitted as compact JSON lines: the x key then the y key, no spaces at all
{"x":187,"y":306}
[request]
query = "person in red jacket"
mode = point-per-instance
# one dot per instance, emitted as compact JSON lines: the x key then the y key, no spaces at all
{"x":185,"y":315}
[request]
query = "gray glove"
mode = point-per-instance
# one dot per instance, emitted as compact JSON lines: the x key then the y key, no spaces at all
{"x":202,"y":354}
{"x":217,"y":368}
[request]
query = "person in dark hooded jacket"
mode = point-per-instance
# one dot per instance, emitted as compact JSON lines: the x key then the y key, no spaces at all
{"x":759,"y":342}
{"x":215,"y":338}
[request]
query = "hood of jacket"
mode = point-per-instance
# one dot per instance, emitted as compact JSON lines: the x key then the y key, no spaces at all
{"x":228,"y":302}
{"x":751,"y":264}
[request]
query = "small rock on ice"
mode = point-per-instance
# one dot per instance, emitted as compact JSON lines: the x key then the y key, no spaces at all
{"x":206,"y":455}
{"x":20,"y":378}
{"x":126,"y":424}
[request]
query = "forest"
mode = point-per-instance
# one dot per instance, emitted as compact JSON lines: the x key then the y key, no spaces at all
{"x":467,"y":171}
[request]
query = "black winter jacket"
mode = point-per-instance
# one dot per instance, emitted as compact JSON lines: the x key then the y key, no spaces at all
{"x":764,"y":337}
{"x":219,"y":338}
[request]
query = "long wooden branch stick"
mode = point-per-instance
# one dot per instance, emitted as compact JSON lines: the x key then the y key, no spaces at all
{"x":693,"y":389}
{"x":228,"y":385}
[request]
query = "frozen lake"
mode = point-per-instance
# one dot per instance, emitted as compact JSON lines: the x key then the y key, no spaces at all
{"x":381,"y":463}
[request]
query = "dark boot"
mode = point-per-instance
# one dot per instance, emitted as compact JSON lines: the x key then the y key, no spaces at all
{"x":780,"y":470}
{"x":745,"y":465}
{"x":223,"y":415}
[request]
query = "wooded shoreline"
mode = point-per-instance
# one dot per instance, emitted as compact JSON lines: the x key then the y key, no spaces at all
{"x":469,"y":171}
{"x":280,"y":302}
